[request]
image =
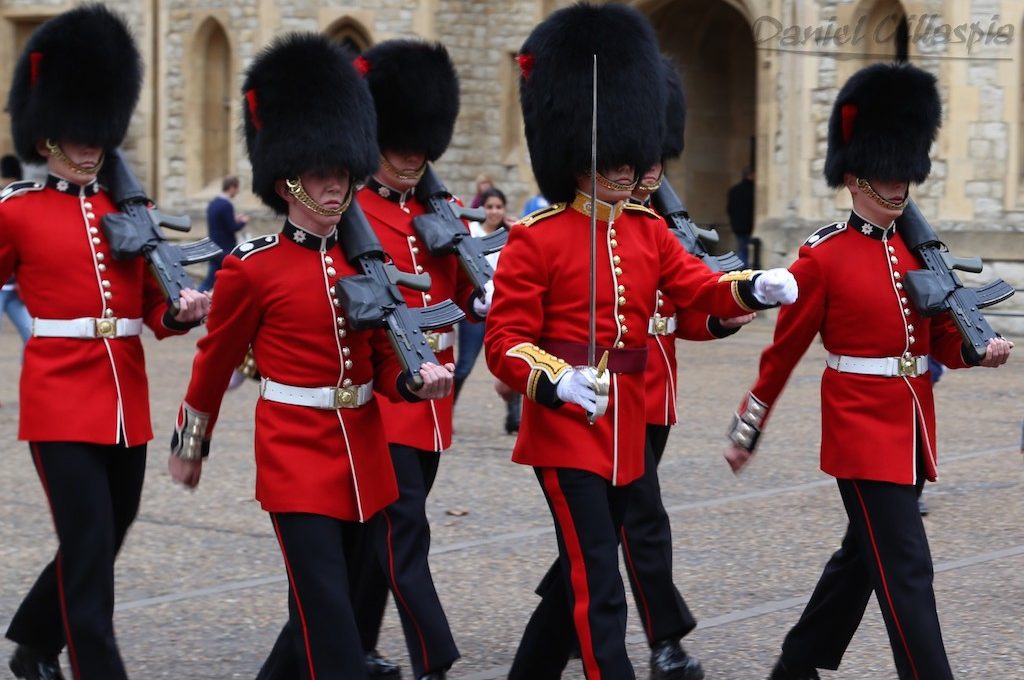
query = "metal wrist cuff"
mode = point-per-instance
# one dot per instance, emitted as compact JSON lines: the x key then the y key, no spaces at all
{"x":745,"y":429}
{"x":189,"y":432}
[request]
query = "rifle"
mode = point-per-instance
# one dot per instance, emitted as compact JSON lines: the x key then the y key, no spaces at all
{"x":441,"y":230}
{"x":136,"y":230}
{"x":936,"y":288}
{"x":372,"y":299}
{"x":671,"y":207}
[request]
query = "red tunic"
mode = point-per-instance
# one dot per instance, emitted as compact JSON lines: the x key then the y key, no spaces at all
{"x":275,"y":294}
{"x":424,"y":425}
{"x":542,"y":296}
{"x":73,"y":389}
{"x":851,"y":291}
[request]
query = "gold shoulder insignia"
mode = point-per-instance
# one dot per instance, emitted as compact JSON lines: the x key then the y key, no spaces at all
{"x":19,"y":188}
{"x":542,"y":213}
{"x":636,"y":207}
{"x":742,"y":275}
{"x":255,"y":245}
{"x":826,"y":232}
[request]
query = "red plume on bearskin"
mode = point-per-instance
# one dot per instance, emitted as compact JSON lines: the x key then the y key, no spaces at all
{"x":77,"y":80}
{"x":416,"y":93}
{"x":557,"y":94}
{"x":883,"y":124}
{"x":305,"y":109}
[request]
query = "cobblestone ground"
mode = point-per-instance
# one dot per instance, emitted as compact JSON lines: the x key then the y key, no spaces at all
{"x":201,"y":588}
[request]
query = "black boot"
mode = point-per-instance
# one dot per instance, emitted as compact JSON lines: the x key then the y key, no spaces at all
{"x":29,"y":664}
{"x":434,"y":675}
{"x":379,"y":667}
{"x":669,"y":661}
{"x":792,"y":672}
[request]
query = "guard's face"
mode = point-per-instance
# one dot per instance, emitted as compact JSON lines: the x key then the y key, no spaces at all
{"x":624,"y":176}
{"x":80,"y":162}
{"x":83,"y":154}
{"x":327,"y":188}
{"x":405,"y":170}
{"x":652,"y":175}
{"x":868,"y":206}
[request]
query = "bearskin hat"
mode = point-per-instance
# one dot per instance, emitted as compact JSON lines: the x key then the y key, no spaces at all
{"x":416,"y":94}
{"x":77,"y":80}
{"x":675,"y":111}
{"x":556,"y":94}
{"x":883,"y":124}
{"x":305,"y":109}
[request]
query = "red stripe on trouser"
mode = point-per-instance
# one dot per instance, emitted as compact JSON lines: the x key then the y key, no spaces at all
{"x":295,"y":594}
{"x":72,"y":652}
{"x":401,"y":598}
{"x":577,"y":572}
{"x":641,"y":595}
{"x":885,"y":584}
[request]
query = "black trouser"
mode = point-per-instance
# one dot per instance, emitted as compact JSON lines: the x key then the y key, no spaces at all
{"x":647,"y":550}
{"x":400,"y":536}
{"x":582,"y":597}
{"x":321,"y":637}
{"x":885,"y":550}
{"x":93,"y":492}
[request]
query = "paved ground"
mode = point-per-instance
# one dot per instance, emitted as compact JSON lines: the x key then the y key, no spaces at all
{"x":201,"y":589}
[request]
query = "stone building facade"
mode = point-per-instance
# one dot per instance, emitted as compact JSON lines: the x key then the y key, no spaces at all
{"x":761,"y":76}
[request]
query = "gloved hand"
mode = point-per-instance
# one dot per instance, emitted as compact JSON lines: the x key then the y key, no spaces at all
{"x":774,"y":287}
{"x":483,"y":305}
{"x":576,"y":387}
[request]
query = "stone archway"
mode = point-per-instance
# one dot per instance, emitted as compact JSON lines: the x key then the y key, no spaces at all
{"x":210,"y":95}
{"x":712,"y":43}
{"x":351,"y":34}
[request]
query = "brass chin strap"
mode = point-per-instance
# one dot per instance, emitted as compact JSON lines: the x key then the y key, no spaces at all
{"x":649,"y":189}
{"x":866,"y":187}
{"x":296,"y":189}
{"x":614,"y":186}
{"x":59,"y":154}
{"x":401,"y":175}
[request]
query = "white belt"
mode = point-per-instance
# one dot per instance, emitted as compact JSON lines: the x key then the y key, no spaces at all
{"x":86,"y":327}
{"x":440,"y":341}
{"x":661,"y":325}
{"x":889,"y":367}
{"x":328,"y":398}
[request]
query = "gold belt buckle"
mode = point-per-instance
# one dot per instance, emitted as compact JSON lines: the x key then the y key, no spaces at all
{"x":346,"y":397}
{"x":660,"y":325}
{"x":106,"y":328}
{"x":433,"y":340}
{"x":908,"y":367}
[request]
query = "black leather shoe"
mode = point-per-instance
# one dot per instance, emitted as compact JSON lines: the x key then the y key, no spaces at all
{"x":379,"y":667}
{"x":922,"y":507}
{"x":435,"y":675}
{"x":669,"y":661}
{"x":783,"y":672}
{"x":29,"y":664}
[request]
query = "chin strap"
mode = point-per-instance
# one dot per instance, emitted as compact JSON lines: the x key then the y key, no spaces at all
{"x":405,"y":177}
{"x":615,"y":186}
{"x":296,"y":189}
{"x":58,"y":153}
{"x":866,"y":187}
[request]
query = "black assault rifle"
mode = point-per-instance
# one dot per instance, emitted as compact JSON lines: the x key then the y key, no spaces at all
{"x":441,"y":230}
{"x":937,"y":288}
{"x":373,"y":300}
{"x":670,"y":206}
{"x":136,"y":230}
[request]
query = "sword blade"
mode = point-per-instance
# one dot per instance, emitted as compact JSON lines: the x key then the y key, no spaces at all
{"x":592,"y":331}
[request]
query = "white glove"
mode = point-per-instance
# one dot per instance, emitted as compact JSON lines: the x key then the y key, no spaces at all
{"x":482,"y":306}
{"x":775,"y":287}
{"x":575,"y":387}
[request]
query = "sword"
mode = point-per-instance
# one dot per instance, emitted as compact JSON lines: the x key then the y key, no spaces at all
{"x":597,"y":371}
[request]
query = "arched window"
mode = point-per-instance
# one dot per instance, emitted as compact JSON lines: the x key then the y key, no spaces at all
{"x":350,"y":33}
{"x":211,"y":91}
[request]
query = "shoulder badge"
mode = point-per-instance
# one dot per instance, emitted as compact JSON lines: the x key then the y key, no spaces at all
{"x":256,"y":245}
{"x":542,"y":213}
{"x":826,"y":232}
{"x":636,"y":207}
{"x":19,"y":188}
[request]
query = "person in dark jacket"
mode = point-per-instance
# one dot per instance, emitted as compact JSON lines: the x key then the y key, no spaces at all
{"x":740,"y":206}
{"x":223,"y":225}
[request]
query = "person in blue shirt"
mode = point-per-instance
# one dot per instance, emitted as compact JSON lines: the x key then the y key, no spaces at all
{"x":223,"y":224}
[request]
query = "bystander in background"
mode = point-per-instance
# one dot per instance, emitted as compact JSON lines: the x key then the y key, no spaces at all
{"x":740,"y":206}
{"x":223,"y":224}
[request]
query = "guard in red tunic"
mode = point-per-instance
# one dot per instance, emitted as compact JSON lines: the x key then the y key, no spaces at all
{"x":646,"y":533}
{"x":877,"y":413}
{"x":84,"y":395}
{"x":537,"y":329}
{"x":416,"y":94}
{"x":322,"y":463}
